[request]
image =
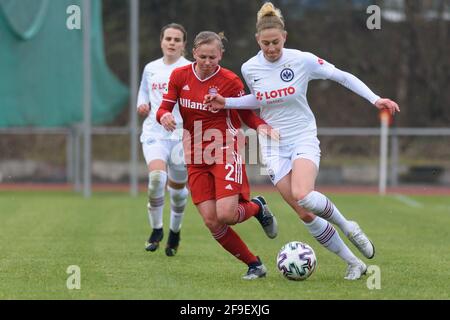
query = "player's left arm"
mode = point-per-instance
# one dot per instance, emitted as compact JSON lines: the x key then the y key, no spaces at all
{"x":246,"y":102}
{"x":354,"y":84}
{"x":321,"y":69}
{"x":249,"y":117}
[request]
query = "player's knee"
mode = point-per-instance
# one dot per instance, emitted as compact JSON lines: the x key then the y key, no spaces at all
{"x":224,"y":219}
{"x":226,"y":216}
{"x":212,"y":224}
{"x":305,"y":215}
{"x":306,"y":200}
{"x":177,"y":175}
{"x":300,"y":193}
{"x":157,"y":183}
{"x":178,"y":196}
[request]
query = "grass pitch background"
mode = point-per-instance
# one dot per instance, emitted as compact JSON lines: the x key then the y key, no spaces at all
{"x":41,"y":234}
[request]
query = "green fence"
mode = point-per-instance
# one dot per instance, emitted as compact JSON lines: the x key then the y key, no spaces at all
{"x":41,"y":66}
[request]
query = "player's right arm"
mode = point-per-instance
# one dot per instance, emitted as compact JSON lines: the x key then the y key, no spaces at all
{"x":143,"y":99}
{"x":217,"y":102}
{"x":164,"y":115}
{"x":247,"y":102}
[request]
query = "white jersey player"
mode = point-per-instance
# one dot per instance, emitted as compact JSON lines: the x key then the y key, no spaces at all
{"x":163,"y":150}
{"x":282,"y":98}
{"x":278,"y":79}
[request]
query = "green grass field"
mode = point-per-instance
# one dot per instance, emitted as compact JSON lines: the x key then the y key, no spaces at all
{"x":42,"y":234}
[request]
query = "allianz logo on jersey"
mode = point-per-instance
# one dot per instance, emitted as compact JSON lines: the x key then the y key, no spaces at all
{"x":187,"y":103}
{"x":275,"y":94}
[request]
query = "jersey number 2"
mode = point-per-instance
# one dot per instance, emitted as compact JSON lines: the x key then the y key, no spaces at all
{"x":228,"y":176}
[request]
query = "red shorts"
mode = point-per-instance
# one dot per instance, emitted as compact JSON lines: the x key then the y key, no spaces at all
{"x":217,"y":181}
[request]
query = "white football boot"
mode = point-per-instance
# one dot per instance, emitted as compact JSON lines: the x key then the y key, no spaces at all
{"x":361,"y":241}
{"x":355,"y":271}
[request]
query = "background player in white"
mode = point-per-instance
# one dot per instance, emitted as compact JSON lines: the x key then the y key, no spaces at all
{"x":163,"y":150}
{"x":278,"y":78}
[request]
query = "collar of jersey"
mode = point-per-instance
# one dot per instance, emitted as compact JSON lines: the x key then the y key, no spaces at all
{"x":206,"y":79}
{"x":176,"y":63}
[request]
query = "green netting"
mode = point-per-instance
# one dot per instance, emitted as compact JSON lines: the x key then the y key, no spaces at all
{"x":41,"y":66}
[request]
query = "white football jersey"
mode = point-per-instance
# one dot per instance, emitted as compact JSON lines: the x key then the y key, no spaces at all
{"x":281,"y":88}
{"x":154,"y":84}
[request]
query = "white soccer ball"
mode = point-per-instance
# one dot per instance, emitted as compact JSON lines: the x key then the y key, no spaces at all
{"x":296,"y":260}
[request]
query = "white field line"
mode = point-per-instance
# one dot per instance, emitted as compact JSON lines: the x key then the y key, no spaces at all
{"x":408,"y":201}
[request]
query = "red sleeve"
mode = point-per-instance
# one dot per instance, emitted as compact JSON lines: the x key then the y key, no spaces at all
{"x":238,"y":87}
{"x":250,"y":118}
{"x":170,"y":98}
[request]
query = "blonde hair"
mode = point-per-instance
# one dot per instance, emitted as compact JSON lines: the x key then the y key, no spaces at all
{"x":269,"y":17}
{"x":206,"y":37}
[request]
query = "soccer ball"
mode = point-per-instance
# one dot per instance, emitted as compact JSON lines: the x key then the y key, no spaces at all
{"x":296,"y":260}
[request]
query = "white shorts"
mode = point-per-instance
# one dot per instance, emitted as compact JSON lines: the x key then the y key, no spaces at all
{"x":279,"y":159}
{"x":169,"y":151}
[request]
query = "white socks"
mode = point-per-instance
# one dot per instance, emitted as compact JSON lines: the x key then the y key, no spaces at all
{"x":321,"y":206}
{"x":178,"y":200}
{"x":327,"y":236}
{"x":156,"y":186}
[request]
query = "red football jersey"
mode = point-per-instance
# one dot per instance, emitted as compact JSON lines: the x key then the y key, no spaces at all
{"x":202,"y":126}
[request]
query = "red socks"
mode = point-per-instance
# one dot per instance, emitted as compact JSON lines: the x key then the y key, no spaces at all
{"x":246,"y":210}
{"x":231,"y":242}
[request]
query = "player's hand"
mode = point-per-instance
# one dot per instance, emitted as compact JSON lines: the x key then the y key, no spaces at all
{"x":215,"y":101}
{"x":387,"y":104}
{"x":143,"y":110}
{"x":168,"y":122}
{"x":267,"y":131}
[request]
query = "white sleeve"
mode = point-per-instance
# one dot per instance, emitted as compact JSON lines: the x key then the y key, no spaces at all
{"x":354,"y":84}
{"x":317,"y":67}
{"x":245,"y":102}
{"x":143,"y":97}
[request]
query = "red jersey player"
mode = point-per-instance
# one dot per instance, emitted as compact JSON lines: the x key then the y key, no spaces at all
{"x":216,"y":174}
